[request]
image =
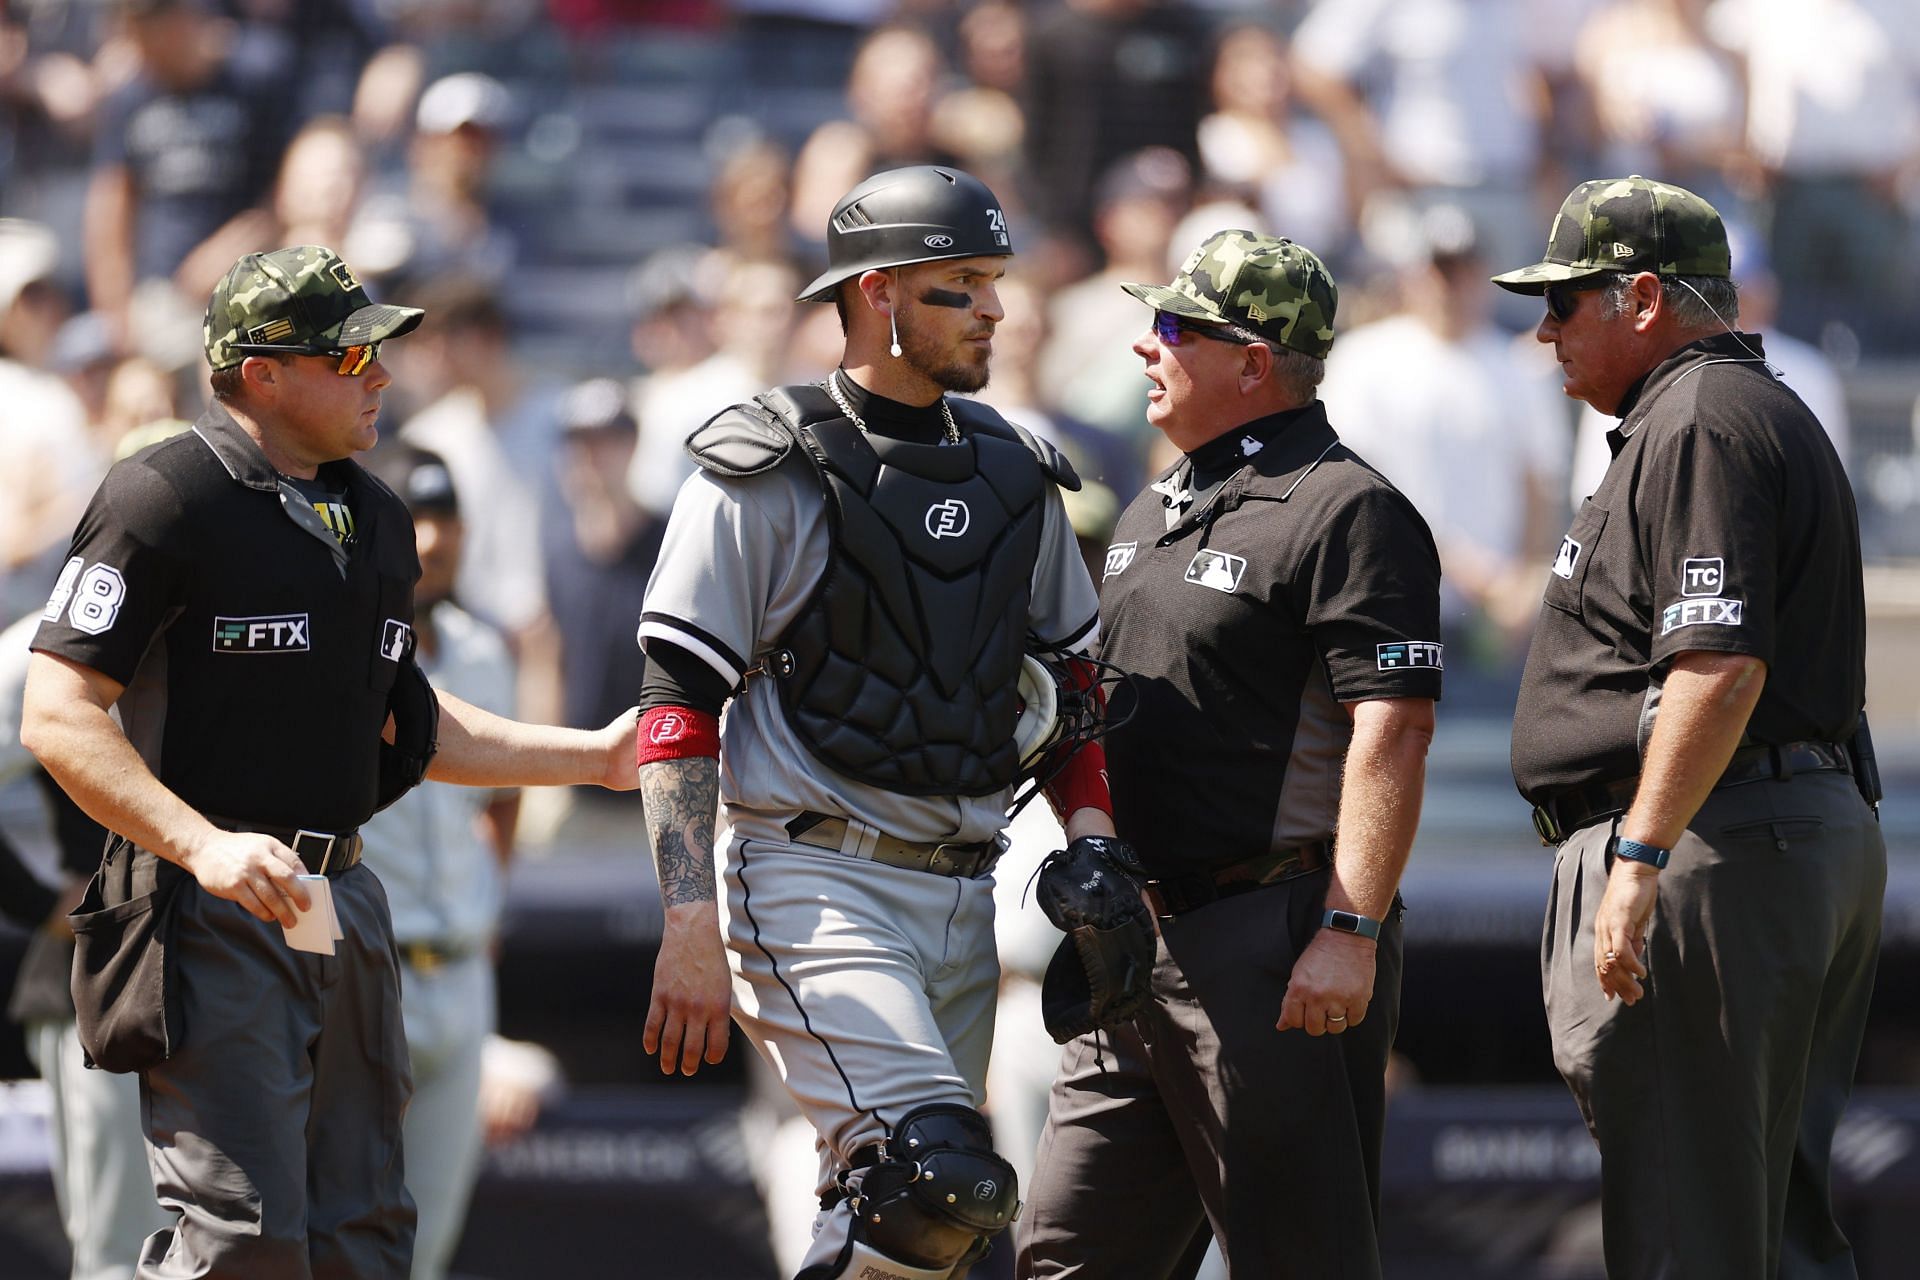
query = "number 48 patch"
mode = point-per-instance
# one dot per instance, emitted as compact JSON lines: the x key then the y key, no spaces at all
{"x":92,"y":599}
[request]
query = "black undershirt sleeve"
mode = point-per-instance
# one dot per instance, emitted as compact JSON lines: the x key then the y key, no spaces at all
{"x":675,"y":678}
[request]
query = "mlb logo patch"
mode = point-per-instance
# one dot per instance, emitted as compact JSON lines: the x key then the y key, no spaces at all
{"x":1217,"y":569}
{"x":1569,"y":557}
{"x":1703,"y":577}
{"x":396,"y":642}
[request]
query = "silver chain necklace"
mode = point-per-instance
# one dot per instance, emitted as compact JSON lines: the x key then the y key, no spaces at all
{"x":833,"y":389}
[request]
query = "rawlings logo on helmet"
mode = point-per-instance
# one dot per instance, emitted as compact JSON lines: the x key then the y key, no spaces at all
{"x":938,"y":242}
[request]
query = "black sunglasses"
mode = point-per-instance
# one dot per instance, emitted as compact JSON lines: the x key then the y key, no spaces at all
{"x":1168,"y":327}
{"x":1564,"y":299}
{"x":353,"y":360}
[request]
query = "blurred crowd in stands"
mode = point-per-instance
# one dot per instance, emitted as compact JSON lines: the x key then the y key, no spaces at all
{"x":607,"y":206}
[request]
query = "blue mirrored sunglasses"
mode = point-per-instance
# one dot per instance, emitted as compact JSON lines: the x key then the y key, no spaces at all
{"x":1168,"y":327}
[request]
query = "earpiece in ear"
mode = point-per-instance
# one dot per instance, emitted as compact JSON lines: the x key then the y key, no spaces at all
{"x":893,"y":324}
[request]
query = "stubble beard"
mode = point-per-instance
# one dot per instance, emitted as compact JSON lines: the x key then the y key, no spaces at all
{"x":950,"y":370}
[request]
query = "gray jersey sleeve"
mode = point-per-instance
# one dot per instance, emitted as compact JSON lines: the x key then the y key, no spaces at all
{"x":731,"y":567}
{"x":1065,"y":609}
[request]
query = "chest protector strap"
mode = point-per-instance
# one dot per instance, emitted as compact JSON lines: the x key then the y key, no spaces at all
{"x":902,"y":669}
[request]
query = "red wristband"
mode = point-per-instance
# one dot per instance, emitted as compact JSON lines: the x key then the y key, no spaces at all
{"x":676,"y":733}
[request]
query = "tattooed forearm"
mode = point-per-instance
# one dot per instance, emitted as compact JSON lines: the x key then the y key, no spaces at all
{"x":680,"y":798}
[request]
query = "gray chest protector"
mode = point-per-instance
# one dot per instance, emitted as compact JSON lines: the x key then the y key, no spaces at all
{"x":901,"y":669}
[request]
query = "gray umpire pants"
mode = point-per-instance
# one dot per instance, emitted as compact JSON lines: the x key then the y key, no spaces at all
{"x":1200,"y":1115}
{"x":100,"y":1177}
{"x":1714,"y":1099}
{"x":274,"y":1133}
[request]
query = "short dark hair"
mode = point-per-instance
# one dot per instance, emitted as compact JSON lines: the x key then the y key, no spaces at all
{"x":226,"y":383}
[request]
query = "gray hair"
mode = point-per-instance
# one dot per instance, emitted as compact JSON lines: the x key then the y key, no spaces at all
{"x":1695,"y":302}
{"x":1298,"y":373}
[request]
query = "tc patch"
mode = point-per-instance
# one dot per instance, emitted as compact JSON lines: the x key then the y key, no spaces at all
{"x":1694,"y":613}
{"x":1119,"y":556}
{"x":396,"y":640}
{"x":1217,"y":569}
{"x":949,"y":519}
{"x":1569,"y":557}
{"x":1402,"y":654}
{"x":1703,"y":577}
{"x":267,"y":633}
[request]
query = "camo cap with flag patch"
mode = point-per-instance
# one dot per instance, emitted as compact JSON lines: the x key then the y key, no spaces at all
{"x":301,"y":299}
{"x":1628,"y":225}
{"x":1272,"y":286}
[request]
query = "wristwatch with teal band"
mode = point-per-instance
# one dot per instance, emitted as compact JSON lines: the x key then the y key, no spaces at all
{"x":1351,"y":922}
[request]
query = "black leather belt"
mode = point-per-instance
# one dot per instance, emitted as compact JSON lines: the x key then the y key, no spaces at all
{"x":942,"y":859}
{"x":1172,"y":895}
{"x":325,"y":853}
{"x":1565,"y":813}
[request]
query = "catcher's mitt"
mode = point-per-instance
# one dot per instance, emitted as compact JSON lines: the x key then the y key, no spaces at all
{"x":1100,"y":976}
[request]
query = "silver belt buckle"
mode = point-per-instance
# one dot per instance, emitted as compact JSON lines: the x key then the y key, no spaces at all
{"x":326,"y":846}
{"x":941,"y":860}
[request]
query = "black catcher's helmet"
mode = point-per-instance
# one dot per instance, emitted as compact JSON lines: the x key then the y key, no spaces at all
{"x":923,"y":213}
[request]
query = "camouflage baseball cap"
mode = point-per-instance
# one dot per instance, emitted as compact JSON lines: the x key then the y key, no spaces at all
{"x":1629,"y":225}
{"x":299,"y":299}
{"x":1274,"y":287}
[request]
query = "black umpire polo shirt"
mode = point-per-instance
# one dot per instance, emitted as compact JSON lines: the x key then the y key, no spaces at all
{"x":1299,"y":579}
{"x":1724,"y":523}
{"x":257,"y":649}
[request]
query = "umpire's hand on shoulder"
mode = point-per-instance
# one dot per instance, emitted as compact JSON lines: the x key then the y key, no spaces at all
{"x":1332,"y":985}
{"x":623,"y":770}
{"x":687,"y":1021}
{"x":252,"y":869}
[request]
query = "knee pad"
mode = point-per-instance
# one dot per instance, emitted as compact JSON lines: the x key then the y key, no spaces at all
{"x":939,"y":1194}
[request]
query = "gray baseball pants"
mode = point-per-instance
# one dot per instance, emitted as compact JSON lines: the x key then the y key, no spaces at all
{"x":100,"y":1177}
{"x":869,"y":988}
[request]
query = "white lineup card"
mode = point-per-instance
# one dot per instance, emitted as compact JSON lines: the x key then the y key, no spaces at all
{"x":319,"y":925}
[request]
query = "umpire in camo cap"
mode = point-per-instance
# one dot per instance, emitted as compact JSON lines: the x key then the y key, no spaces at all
{"x":304,"y":301}
{"x":1689,"y":732}
{"x":1277,"y":604}
{"x":1612,"y":226}
{"x":1265,"y":285}
{"x":250,"y":589}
